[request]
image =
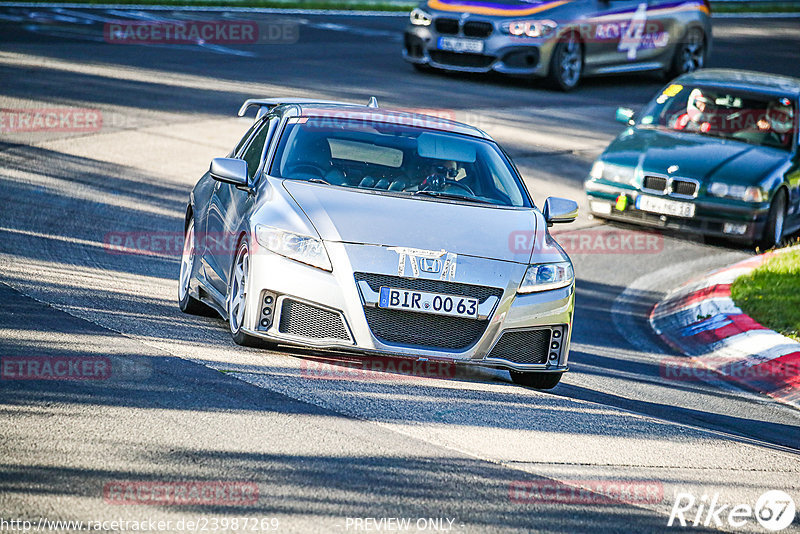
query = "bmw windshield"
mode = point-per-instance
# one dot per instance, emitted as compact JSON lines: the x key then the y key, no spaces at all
{"x":723,"y":113}
{"x":397,"y":159}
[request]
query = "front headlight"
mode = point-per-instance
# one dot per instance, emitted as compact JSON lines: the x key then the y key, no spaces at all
{"x":597,"y":170}
{"x":529,"y":28}
{"x":738,"y":192}
{"x":420,"y":17}
{"x":544,"y":276}
{"x":302,"y":248}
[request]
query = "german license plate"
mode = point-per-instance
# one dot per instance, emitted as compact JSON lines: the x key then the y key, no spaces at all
{"x":421,"y":301}
{"x":454,"y":44}
{"x":665,"y":206}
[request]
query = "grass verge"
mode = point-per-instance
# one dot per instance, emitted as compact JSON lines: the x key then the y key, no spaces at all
{"x":755,"y":7}
{"x":771,"y":294}
{"x":343,"y":5}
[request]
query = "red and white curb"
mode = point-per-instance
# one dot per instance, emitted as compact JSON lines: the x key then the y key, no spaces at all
{"x":700,"y":320}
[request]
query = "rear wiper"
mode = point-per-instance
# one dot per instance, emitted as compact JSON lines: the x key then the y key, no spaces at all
{"x":439,"y":194}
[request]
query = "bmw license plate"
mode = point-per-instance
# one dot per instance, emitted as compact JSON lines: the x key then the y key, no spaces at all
{"x":665,"y":206}
{"x":454,"y":44}
{"x":424,"y":302}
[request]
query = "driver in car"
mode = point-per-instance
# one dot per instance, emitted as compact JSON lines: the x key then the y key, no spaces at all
{"x":699,"y":114}
{"x":779,"y":121}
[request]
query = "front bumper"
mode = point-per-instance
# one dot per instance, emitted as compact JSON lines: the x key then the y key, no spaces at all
{"x":501,"y":53}
{"x":337,"y":311}
{"x":715,"y":217}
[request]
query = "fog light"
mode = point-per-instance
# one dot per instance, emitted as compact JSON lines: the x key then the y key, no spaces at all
{"x":265,"y":323}
{"x":268,"y":299}
{"x":556,"y":334}
{"x":266,"y":311}
{"x":553,"y":356}
{"x":734,"y":228}
{"x":554,"y":345}
{"x":600,"y":207}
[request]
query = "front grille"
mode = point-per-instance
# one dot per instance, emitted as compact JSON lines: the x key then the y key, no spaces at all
{"x":301,"y":319}
{"x":476,"y":28}
{"x":446,"y":26}
{"x":655,"y":183}
{"x":457,"y":59}
{"x":526,"y":346}
{"x":424,"y":329}
{"x":684,"y":187}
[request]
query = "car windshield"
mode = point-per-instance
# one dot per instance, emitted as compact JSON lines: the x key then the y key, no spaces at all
{"x":397,"y":159}
{"x":751,"y":118}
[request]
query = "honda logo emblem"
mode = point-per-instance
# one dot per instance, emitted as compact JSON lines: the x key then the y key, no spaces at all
{"x":430,"y":265}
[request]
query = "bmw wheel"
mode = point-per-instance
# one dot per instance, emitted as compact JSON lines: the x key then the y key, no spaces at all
{"x":237,"y":297}
{"x":186,"y":302}
{"x":690,"y":55}
{"x":566,"y":64}
{"x":536,"y":380}
{"x":773,"y":231}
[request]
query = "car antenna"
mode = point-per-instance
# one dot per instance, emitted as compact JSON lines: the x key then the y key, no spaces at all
{"x":373,"y":102}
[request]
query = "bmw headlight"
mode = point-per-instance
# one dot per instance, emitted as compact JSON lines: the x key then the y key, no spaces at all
{"x":545,"y":276}
{"x":738,"y":192}
{"x":613,"y":173}
{"x":529,"y":28}
{"x":420,"y":17}
{"x":302,"y":248}
{"x":597,"y":170}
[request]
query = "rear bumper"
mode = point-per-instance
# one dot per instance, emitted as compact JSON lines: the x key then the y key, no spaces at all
{"x":713,"y":217}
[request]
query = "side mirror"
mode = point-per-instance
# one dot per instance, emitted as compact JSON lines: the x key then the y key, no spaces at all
{"x":229,"y":170}
{"x":559,"y":210}
{"x":625,"y":115}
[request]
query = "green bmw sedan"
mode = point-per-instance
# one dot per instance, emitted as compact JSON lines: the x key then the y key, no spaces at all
{"x":714,"y":153}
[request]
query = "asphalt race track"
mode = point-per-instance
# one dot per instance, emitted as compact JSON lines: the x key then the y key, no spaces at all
{"x":326,"y":451}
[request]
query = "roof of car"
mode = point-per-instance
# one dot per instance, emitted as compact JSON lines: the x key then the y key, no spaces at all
{"x":306,"y":107}
{"x":745,"y":80}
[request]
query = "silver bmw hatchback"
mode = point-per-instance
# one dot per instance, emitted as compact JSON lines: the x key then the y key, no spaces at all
{"x":562,"y":40}
{"x":366,"y":230}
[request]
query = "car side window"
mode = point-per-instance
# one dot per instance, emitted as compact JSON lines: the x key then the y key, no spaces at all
{"x":236,"y":152}
{"x":254,"y":152}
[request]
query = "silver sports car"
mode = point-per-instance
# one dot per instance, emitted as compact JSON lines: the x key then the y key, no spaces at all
{"x":361,"y":229}
{"x":562,"y":40}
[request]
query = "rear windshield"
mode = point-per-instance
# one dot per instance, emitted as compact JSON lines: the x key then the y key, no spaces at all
{"x":398,"y":159}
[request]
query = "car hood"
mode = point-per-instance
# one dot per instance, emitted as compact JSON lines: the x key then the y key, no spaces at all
{"x":705,"y":159}
{"x":503,"y":8}
{"x":351,"y":216}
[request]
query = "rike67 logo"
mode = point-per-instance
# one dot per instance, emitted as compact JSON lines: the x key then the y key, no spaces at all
{"x":774,"y":510}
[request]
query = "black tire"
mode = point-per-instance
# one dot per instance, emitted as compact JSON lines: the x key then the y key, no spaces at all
{"x":236,"y":309}
{"x":536,"y":380}
{"x":566,"y":63}
{"x":186,"y":302}
{"x":773,"y":230}
{"x":690,"y":54}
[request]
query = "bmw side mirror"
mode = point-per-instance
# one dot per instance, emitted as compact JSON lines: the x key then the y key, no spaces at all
{"x":230,"y":171}
{"x":625,"y":115}
{"x":559,"y":210}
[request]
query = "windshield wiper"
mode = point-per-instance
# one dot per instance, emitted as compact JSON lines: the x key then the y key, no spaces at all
{"x":318,"y":181}
{"x":440,"y":194}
